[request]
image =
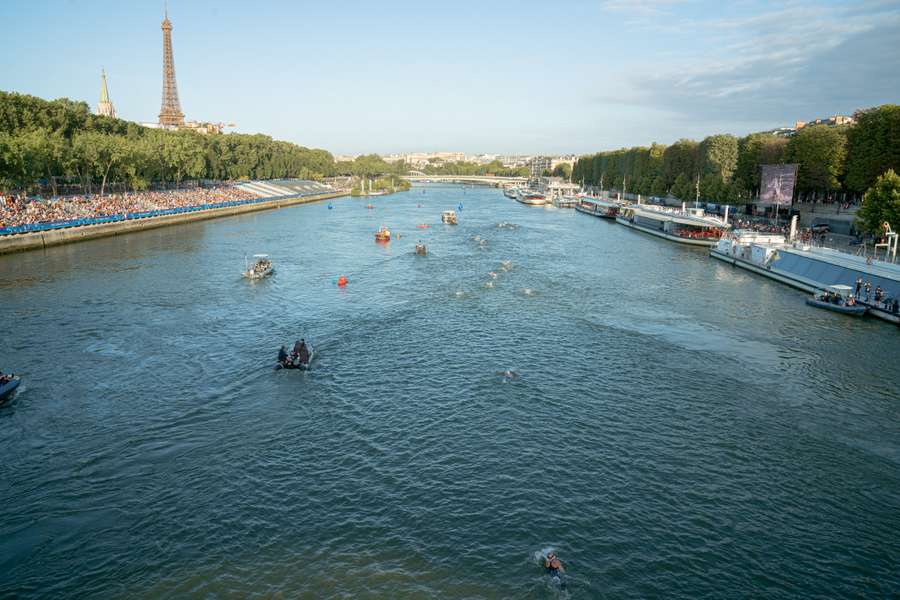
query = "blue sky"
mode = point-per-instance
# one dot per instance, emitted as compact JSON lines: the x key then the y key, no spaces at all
{"x":473,"y":76}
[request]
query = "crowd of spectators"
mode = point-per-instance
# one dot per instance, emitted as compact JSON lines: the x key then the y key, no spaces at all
{"x":26,"y":211}
{"x":762,"y":226}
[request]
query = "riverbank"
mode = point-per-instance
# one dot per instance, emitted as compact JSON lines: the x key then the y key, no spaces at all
{"x":44,"y":239}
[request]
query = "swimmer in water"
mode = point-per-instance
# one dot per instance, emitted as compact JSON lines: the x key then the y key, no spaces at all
{"x":508,"y":375}
{"x":553,"y":566}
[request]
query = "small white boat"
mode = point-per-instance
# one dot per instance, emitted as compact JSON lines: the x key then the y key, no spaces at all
{"x":421,"y":250}
{"x":449,"y":217}
{"x":262,"y":267}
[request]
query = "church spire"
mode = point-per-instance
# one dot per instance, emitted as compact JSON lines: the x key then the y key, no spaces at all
{"x":105,"y":107}
{"x":104,"y":92}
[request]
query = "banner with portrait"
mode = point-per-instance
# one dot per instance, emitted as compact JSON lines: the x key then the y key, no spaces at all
{"x":777,"y":185}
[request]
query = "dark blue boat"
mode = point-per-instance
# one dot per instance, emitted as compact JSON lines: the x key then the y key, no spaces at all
{"x":6,"y":389}
{"x":856,"y":310}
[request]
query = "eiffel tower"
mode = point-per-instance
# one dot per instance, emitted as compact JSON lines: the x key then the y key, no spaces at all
{"x":170,"y":114}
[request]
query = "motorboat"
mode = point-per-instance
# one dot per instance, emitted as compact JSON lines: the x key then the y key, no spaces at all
{"x":9,"y":385}
{"x":838,"y":298}
{"x":262,"y":267}
{"x":598,"y":207}
{"x":449,"y":217}
{"x":510,"y":192}
{"x":531,"y":197}
{"x":383,"y":234}
{"x":293,"y":360}
{"x":565,"y":201}
{"x":421,"y":250}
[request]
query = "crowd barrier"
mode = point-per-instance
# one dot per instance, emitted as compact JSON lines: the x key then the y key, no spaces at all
{"x":34,"y":227}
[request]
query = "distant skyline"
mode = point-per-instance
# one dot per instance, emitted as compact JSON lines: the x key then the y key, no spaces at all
{"x":501,"y":77}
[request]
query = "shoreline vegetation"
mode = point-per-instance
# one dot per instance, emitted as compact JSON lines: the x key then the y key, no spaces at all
{"x":839,"y":164}
{"x":381,"y":186}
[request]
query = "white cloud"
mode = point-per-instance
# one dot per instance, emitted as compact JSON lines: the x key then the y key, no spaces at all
{"x":639,"y":8}
{"x":798,"y":60}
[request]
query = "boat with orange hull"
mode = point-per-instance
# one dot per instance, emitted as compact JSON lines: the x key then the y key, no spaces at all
{"x":383,"y":234}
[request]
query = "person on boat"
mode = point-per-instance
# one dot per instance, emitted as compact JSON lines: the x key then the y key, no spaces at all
{"x":553,"y":566}
{"x":868,"y":288}
{"x":297,"y":345}
{"x":4,"y":379}
{"x":858,"y":286}
{"x":282,"y":355}
{"x":303,"y":353}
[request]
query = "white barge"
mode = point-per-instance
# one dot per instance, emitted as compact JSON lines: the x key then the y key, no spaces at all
{"x":686,"y":225}
{"x":598,"y":207}
{"x":812,"y":269}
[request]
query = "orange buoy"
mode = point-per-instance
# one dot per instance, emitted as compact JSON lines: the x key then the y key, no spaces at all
{"x":342,"y":281}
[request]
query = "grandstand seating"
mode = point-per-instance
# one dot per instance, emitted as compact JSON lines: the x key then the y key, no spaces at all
{"x":285,"y":187}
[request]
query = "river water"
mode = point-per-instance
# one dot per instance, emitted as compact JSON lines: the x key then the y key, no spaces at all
{"x":673,"y":427}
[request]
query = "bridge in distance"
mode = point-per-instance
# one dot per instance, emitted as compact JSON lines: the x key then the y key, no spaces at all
{"x":471,"y":179}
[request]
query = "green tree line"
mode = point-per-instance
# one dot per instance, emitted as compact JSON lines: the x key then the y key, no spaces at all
{"x":833,"y":161}
{"x":49,"y":141}
{"x":469,"y":168}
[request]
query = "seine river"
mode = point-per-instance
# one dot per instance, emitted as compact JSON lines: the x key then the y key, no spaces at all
{"x":672,"y":427}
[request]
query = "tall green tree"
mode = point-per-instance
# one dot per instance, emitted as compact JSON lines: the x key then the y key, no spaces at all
{"x":562,"y":170}
{"x":683,"y":188}
{"x":755,"y":150}
{"x":820,"y":151}
{"x":881,"y":204}
{"x":719,"y":156}
{"x":873,"y":146}
{"x":681,"y":158}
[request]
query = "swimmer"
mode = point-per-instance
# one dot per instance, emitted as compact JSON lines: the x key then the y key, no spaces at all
{"x":508,"y":374}
{"x":506,"y":265}
{"x":553,"y":566}
{"x":489,"y":284}
{"x":493,"y":275}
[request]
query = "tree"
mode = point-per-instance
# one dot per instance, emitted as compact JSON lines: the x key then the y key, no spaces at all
{"x":681,"y":158}
{"x":873,"y":145}
{"x":563,"y":170}
{"x":753,"y":151}
{"x":820,"y":151}
{"x":44,"y":155}
{"x":683,"y":188}
{"x":719,"y":155}
{"x":881,"y":204}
